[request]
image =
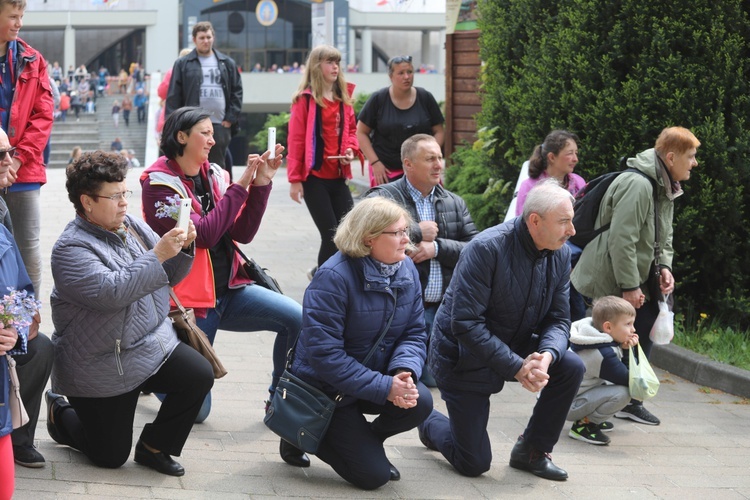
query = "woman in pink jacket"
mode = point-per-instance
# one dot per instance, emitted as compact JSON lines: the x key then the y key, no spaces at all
{"x":321,"y":144}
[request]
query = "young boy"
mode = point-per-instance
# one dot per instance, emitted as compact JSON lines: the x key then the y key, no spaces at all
{"x":599,"y":341}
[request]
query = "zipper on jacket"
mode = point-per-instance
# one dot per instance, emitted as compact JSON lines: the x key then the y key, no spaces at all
{"x":117,"y":356}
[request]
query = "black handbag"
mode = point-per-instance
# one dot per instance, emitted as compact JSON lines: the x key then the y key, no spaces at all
{"x":300,"y":413}
{"x":256,"y":272}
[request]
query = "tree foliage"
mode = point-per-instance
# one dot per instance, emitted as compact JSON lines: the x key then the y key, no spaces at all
{"x":616,"y":73}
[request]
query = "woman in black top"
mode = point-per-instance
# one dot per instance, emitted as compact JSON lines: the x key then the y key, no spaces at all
{"x":393,"y":114}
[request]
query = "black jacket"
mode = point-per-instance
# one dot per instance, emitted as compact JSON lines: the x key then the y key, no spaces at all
{"x":506,"y":300}
{"x":455,"y":226}
{"x":185,"y":85}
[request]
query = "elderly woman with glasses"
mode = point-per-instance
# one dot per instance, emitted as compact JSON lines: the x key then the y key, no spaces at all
{"x":113,"y":338}
{"x":367,"y":295}
{"x":393,"y":114}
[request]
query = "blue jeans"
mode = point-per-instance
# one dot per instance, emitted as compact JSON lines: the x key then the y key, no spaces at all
{"x":253,"y":308}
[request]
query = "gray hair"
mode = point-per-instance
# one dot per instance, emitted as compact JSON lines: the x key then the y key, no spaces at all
{"x":545,"y":197}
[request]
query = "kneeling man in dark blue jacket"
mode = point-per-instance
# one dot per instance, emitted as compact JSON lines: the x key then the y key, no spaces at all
{"x":504,"y":317}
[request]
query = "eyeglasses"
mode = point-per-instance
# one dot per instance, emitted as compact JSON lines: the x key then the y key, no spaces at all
{"x":399,"y":60}
{"x":10,"y":152}
{"x":115,"y":197}
{"x":398,"y":234}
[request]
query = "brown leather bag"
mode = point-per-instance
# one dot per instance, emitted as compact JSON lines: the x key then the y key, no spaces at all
{"x":187,"y":331}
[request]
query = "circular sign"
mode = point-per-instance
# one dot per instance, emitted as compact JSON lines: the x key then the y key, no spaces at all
{"x":266,"y":12}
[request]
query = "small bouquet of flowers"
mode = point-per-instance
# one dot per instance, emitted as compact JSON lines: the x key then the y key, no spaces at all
{"x":18,"y":308}
{"x":169,"y":209}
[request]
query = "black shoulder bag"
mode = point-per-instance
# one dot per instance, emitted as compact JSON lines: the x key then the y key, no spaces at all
{"x":301,"y":413}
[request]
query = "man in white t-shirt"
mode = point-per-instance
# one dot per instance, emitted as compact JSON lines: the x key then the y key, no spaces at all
{"x":208,"y":78}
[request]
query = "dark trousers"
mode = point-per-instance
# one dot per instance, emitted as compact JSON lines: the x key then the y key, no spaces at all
{"x":577,"y":304}
{"x":463,"y":439}
{"x":102,"y":428}
{"x":354,"y":447}
{"x":328,"y":200}
{"x":645,"y":317}
{"x":33,"y":369}
{"x":218,"y":153}
{"x":126,"y":116}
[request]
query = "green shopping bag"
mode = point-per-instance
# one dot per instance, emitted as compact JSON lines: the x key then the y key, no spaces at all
{"x":643,"y":381}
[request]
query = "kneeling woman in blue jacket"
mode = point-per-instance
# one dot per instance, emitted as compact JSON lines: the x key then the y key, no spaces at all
{"x":367,"y":287}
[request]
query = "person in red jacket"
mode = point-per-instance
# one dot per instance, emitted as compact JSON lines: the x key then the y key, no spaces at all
{"x":26,"y":113}
{"x":322,"y":143}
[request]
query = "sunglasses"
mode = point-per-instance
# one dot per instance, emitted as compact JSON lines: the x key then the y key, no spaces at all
{"x":10,"y":152}
{"x":399,"y":60}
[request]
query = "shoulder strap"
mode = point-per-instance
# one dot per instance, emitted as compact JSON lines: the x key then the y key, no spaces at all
{"x":657,"y":244}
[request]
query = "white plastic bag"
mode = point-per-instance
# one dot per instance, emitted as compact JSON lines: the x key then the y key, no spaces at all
{"x":643,"y":382}
{"x":663,"y":329}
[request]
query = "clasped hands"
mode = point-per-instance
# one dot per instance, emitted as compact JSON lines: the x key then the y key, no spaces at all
{"x":425,"y":250}
{"x":533,"y":374}
{"x":404,"y":392}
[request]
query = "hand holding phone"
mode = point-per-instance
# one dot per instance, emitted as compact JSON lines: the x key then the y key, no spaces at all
{"x":272,"y":142}
{"x":183,"y":216}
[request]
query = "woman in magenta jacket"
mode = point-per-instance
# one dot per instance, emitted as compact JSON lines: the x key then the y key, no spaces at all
{"x":322,"y":143}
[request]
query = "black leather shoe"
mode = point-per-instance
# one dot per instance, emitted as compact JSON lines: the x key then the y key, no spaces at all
{"x":293,"y":455}
{"x":53,"y":400}
{"x":160,"y":462}
{"x":395,"y":474}
{"x":524,"y":457}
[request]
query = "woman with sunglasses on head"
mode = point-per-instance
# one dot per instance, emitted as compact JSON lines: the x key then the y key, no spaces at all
{"x":393,"y":114}
{"x":113,"y":338}
{"x":366,"y":296}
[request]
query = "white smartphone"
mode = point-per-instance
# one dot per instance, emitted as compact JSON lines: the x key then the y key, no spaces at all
{"x":272,"y":142}
{"x":183,"y":216}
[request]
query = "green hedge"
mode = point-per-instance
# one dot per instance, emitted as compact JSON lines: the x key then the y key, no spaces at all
{"x":616,"y":73}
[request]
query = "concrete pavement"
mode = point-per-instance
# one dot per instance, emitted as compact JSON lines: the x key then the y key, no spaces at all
{"x":701,"y":450}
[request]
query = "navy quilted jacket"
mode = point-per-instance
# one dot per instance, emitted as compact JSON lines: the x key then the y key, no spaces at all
{"x":109,"y":308}
{"x":506,"y":300}
{"x":346,"y":307}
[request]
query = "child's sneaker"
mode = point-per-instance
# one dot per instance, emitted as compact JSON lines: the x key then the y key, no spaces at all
{"x":606,"y":426}
{"x":588,"y":432}
{"x":638,"y":413}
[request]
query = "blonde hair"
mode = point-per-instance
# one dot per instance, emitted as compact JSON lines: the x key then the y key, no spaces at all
{"x":313,"y":76}
{"x":368,"y":219}
{"x":610,"y":308}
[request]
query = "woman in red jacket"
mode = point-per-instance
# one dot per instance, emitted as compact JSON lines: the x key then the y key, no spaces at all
{"x":322,"y":143}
